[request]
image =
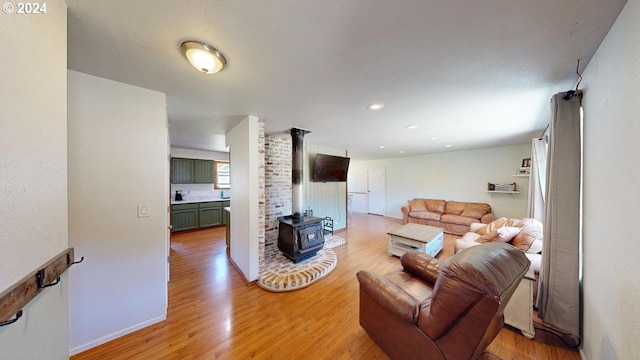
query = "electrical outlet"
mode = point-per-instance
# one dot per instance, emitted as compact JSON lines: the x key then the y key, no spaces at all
{"x":143,"y":210}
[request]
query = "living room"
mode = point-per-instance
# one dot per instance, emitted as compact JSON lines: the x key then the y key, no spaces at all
{"x":37,"y":136}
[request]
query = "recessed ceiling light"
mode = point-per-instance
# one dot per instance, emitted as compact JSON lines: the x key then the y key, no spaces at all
{"x":411,"y":127}
{"x":434,"y":138}
{"x":203,"y":57}
{"x":401,"y":151}
{"x":375,"y":106}
{"x":381,"y":146}
{"x":448,"y":145}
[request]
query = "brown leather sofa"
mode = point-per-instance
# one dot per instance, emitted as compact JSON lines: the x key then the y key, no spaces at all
{"x":454,"y":217}
{"x":436,"y":310}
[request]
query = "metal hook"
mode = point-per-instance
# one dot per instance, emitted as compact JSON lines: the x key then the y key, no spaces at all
{"x":11,"y":321}
{"x":41,"y":284}
{"x":75,"y":262}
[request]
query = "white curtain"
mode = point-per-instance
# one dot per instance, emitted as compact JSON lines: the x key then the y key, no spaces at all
{"x":559,"y":285}
{"x":537,"y":179}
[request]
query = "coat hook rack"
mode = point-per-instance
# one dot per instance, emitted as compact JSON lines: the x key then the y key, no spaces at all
{"x":15,"y":298}
{"x":41,"y":279}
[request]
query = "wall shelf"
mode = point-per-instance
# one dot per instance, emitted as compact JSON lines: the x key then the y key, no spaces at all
{"x":503,"y":192}
{"x":523,"y":175}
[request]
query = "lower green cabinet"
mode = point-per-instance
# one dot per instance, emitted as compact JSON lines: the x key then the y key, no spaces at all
{"x":210,"y":214}
{"x":197,"y":215}
{"x":184,"y":217}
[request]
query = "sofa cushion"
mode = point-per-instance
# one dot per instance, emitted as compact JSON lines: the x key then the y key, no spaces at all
{"x":492,"y":228}
{"x":470,"y":237}
{"x":454,"y":207}
{"x":457,"y":219}
{"x":417,"y":205}
{"x":435,"y":205}
{"x":475,"y":210}
{"x":425,"y":215}
{"x":507,"y":233}
{"x":530,"y":236}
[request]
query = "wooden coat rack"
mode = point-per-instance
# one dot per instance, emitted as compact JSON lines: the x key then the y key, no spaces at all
{"x":15,"y":298}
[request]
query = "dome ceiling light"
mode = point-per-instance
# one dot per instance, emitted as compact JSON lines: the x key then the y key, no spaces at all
{"x":203,"y":57}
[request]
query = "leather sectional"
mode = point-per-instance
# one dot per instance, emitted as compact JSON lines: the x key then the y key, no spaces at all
{"x":454,"y":217}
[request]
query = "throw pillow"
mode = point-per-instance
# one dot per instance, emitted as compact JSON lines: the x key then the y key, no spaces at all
{"x":507,"y":233}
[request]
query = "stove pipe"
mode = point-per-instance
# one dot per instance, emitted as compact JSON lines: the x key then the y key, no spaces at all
{"x":297,"y":172}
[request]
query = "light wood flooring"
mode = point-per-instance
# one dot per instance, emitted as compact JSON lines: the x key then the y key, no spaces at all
{"x":214,"y":314}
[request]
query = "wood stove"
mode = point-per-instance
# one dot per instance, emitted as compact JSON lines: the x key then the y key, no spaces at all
{"x":300,"y":237}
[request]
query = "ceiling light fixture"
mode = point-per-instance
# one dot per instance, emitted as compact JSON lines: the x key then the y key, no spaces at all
{"x":434,"y":138}
{"x":381,"y":146}
{"x":203,"y":57}
{"x":375,"y":106}
{"x":401,"y":151}
{"x":448,"y":145}
{"x":411,"y":127}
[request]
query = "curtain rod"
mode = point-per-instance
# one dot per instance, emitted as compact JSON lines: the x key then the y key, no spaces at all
{"x":544,"y":131}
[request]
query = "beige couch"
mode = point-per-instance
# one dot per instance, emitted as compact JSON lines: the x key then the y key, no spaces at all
{"x":453,"y":217}
{"x":525,"y":234}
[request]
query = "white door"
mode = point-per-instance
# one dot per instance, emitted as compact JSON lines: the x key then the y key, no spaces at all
{"x":375,"y":191}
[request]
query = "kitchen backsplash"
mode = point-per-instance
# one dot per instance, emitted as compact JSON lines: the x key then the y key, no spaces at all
{"x":196,"y":191}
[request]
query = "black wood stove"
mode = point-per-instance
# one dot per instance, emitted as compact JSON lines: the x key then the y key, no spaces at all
{"x":300,"y":237}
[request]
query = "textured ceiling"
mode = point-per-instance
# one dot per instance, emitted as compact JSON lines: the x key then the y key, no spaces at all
{"x":471,"y":73}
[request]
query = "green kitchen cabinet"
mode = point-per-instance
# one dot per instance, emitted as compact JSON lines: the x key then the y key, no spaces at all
{"x":189,"y":171}
{"x":197,"y":215}
{"x":210,"y":214}
{"x":203,"y":171}
{"x":225,"y":214}
{"x":184,"y":217}
{"x":182,"y":171}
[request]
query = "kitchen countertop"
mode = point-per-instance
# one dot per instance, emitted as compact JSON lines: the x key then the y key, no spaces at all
{"x":198,"y":199}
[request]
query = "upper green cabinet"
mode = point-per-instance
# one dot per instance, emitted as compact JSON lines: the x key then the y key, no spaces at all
{"x":182,"y":171}
{"x":185,"y":171}
{"x":203,"y":171}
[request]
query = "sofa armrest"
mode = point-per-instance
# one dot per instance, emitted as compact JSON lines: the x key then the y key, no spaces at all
{"x":421,"y":265}
{"x":487,"y":218}
{"x":389,"y":295}
{"x":405,"y":214}
{"x":474,"y":227}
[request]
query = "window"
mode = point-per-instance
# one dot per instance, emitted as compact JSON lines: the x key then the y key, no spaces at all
{"x":221,"y":175}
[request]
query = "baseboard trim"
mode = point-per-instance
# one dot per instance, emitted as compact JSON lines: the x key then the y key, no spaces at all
{"x":78,"y":349}
{"x":247,"y":281}
{"x":582,"y":355}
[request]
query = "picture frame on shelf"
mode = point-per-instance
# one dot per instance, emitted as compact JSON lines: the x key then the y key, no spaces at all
{"x":524,"y":171}
{"x":526,"y":163}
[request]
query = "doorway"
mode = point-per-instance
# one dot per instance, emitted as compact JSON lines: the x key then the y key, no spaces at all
{"x":376,"y":191}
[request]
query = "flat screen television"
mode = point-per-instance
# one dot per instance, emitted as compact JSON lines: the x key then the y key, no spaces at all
{"x":330,"y":168}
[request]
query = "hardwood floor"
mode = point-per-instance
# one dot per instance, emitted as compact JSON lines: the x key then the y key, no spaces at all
{"x":214,"y":314}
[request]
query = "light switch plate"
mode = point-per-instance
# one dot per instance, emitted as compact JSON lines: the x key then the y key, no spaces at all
{"x":143,"y":210}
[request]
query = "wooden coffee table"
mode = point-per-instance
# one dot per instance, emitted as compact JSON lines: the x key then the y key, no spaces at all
{"x":415,"y":237}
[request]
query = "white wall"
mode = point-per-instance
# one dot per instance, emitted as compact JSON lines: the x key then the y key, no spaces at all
{"x":611,"y":176}
{"x":325,"y":199}
{"x":456,"y":175}
{"x":117,"y":161}
{"x":33,"y":180}
{"x":243,"y":151}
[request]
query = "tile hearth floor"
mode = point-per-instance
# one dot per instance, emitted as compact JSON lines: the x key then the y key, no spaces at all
{"x":281,"y":274}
